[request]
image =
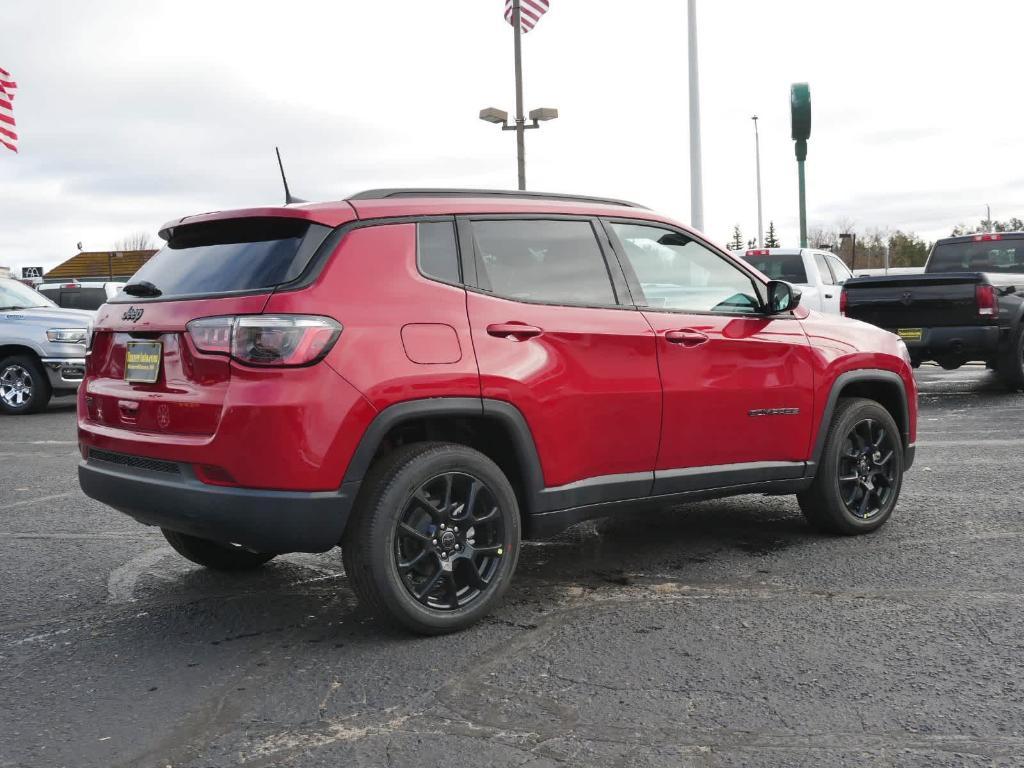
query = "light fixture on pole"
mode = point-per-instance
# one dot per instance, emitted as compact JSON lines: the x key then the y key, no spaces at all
{"x":852,"y":236}
{"x":515,"y":17}
{"x":757,"y":156}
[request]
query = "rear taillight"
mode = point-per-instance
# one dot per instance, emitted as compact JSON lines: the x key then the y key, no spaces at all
{"x":985,"y":297}
{"x":266,"y":340}
{"x":843,"y":298}
{"x":758,"y":252}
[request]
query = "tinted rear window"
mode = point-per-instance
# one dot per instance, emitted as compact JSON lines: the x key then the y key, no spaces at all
{"x":780,"y":266}
{"x":985,"y":256}
{"x":82,"y":298}
{"x":229,"y":256}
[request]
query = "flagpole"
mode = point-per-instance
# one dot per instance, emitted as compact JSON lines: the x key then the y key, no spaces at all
{"x":520,"y":118}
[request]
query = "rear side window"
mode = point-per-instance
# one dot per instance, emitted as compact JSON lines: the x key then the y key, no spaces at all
{"x":1004,"y":255}
{"x":780,"y":266}
{"x":83,"y":298}
{"x":555,"y":262}
{"x":824,"y":270}
{"x":231,"y":256}
{"x":840,"y":270}
{"x":436,"y":251}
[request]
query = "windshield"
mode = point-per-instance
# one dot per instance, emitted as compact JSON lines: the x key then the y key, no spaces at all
{"x":780,"y":266}
{"x":1004,"y":255}
{"x":15,"y":295}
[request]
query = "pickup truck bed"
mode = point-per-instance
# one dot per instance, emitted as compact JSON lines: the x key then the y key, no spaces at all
{"x":951,"y":314}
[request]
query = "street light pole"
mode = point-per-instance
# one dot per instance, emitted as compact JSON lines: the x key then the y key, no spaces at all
{"x":757,"y":155}
{"x":696,"y":181}
{"x":520,"y":120}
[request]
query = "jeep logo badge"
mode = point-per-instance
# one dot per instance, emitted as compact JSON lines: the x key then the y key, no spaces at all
{"x":132,"y":314}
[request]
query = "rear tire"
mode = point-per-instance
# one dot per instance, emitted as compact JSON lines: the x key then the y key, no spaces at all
{"x":860,"y":473}
{"x":24,"y":387}
{"x":423,"y":549}
{"x":213,"y":554}
{"x":1011,"y":366}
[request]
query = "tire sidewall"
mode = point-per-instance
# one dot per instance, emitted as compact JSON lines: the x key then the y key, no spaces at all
{"x":830,"y":463}
{"x":390,"y":506}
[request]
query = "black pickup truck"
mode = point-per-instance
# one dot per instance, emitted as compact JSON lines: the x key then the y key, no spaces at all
{"x":967,"y":306}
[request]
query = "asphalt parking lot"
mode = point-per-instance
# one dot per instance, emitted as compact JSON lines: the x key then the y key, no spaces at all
{"x":724,"y":634}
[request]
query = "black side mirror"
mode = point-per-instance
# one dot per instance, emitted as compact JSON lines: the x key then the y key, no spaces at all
{"x":782,"y":297}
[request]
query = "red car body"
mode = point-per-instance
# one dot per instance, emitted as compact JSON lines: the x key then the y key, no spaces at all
{"x":588,"y":409}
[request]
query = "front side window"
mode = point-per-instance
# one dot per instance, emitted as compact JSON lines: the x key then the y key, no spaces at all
{"x":677,"y":272}
{"x":554,"y":262}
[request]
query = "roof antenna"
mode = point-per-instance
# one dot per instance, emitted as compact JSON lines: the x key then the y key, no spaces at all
{"x":288,"y":199}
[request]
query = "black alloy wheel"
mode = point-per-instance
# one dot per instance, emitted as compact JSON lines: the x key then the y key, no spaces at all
{"x":449,"y":541}
{"x":433,"y":539}
{"x":859,"y":473}
{"x":866,"y":468}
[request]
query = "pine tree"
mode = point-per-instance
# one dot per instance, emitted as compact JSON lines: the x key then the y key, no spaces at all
{"x":771,"y":241}
{"x":736,"y":243}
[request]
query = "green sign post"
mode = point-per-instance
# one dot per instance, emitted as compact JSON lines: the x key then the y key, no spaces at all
{"x":800,"y":111}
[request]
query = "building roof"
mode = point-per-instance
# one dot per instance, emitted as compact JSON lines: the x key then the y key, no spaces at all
{"x":100,"y":264}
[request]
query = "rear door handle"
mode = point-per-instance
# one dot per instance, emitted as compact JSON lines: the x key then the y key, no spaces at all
{"x":514,"y":331}
{"x":687,"y":337}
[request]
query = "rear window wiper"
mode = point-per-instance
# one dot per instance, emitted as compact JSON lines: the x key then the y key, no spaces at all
{"x":142,"y":288}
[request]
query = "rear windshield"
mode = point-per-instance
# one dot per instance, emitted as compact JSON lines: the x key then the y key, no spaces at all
{"x":984,"y":256}
{"x":231,"y":256}
{"x":81,"y":298}
{"x":779,"y":266}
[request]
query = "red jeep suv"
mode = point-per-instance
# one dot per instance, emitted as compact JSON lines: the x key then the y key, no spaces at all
{"x":426,"y":377}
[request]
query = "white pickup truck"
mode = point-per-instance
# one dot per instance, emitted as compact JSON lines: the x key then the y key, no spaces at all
{"x":819,"y":274}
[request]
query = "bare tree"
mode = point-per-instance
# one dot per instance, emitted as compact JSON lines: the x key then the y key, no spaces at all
{"x":137,"y":241}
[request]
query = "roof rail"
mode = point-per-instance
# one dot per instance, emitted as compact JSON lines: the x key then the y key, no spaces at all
{"x":380,"y":194}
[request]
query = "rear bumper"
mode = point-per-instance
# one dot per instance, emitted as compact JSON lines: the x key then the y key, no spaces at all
{"x":969,"y":342}
{"x":170,"y":496}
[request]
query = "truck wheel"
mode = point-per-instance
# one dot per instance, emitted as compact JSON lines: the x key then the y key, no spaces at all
{"x":1011,"y":366}
{"x":860,"y":472}
{"x":434,"y":538}
{"x":214,"y":555}
{"x":24,"y":387}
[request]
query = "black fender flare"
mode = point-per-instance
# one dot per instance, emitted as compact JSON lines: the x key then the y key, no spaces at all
{"x":485,"y":408}
{"x":872,"y":375}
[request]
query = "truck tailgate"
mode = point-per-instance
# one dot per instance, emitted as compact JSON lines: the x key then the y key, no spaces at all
{"x":914,"y":301}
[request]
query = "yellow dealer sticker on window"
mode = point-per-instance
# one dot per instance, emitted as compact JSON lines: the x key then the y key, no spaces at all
{"x":142,"y":361}
{"x":909,"y":334}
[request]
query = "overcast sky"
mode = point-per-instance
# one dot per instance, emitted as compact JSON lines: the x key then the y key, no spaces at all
{"x":133,"y":113}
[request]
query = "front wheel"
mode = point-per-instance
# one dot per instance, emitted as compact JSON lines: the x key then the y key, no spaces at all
{"x":24,"y":387}
{"x":860,"y":473}
{"x":213,"y":554}
{"x":434,"y":538}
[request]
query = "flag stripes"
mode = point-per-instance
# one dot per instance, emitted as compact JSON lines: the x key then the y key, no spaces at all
{"x":8,"y":136}
{"x":530,"y":12}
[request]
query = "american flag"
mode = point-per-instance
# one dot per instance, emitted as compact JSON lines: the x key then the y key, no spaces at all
{"x":530,"y":12}
{"x":7,"y":88}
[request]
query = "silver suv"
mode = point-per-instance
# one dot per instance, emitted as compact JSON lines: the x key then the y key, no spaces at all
{"x":42,"y":348}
